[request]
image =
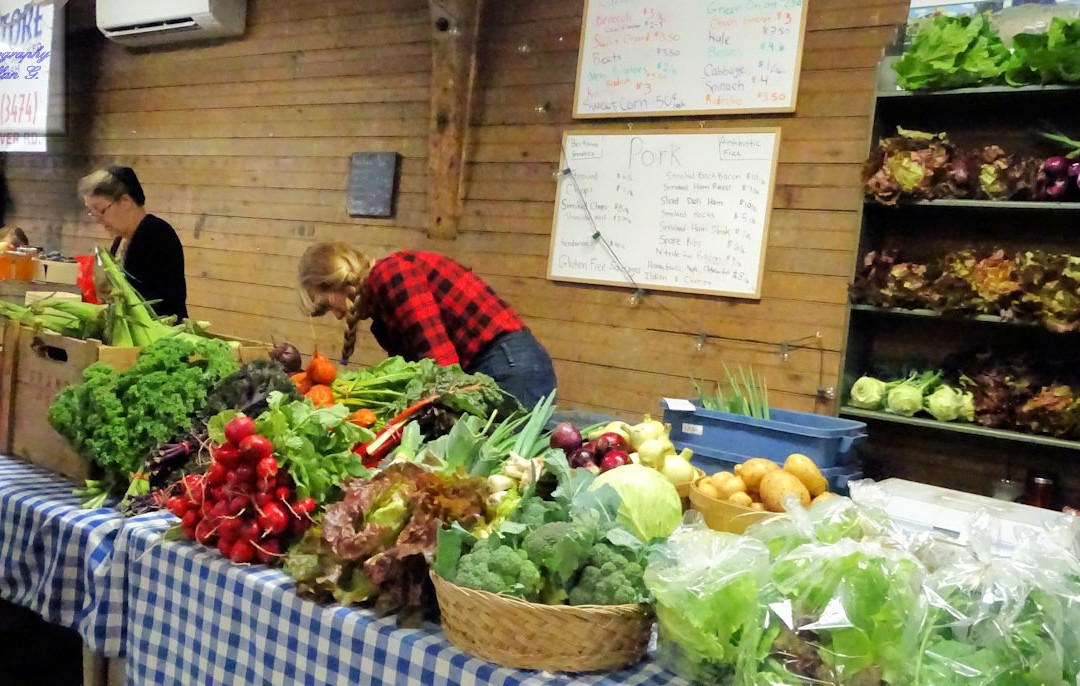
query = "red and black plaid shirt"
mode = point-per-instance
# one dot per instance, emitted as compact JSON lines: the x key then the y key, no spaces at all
{"x":427,"y":305}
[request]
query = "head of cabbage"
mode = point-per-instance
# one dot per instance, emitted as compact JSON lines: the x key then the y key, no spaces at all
{"x":650,"y":507}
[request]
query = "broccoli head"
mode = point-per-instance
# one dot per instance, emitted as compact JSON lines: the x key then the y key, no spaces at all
{"x":533,"y":511}
{"x":610,"y":577}
{"x":499,"y":569}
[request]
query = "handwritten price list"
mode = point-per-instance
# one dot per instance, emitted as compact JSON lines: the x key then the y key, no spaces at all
{"x":665,"y":211}
{"x":641,"y":57}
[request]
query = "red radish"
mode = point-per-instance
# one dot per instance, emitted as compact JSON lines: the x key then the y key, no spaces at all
{"x":239,"y":428}
{"x":207,"y":507}
{"x":215,"y":475}
{"x":274,"y":518}
{"x":307,"y":506}
{"x":610,"y":441}
{"x":225,"y":547}
{"x":220,"y":509}
{"x":189,"y":533}
{"x":267,"y":550}
{"x":614,"y":458}
{"x":299,"y":526}
{"x":282,"y":493}
{"x":267,"y":468}
{"x":241,"y":475}
{"x":178,"y":505}
{"x":190,"y":519}
{"x":263,"y":499}
{"x":254,"y":448}
{"x":237,"y":503}
{"x":227,"y":455}
{"x":251,"y":531}
{"x":229,"y":529}
{"x":205,"y":533}
{"x":242,"y":551}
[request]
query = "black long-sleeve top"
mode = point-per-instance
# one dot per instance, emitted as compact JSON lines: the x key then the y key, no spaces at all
{"x":154,"y":262}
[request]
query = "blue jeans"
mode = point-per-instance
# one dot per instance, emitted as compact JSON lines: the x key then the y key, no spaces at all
{"x":519,"y":364}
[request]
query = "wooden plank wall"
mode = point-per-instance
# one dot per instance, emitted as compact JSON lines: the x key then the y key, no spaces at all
{"x":243,"y":146}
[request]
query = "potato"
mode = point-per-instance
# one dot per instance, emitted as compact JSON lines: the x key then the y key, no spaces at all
{"x":720,"y":477}
{"x":730,"y":487}
{"x":708,"y":489}
{"x":778,"y":483}
{"x":822,"y":496}
{"x":757,"y":507}
{"x":741,"y":499}
{"x":804,"y":469}
{"x":753,"y":469}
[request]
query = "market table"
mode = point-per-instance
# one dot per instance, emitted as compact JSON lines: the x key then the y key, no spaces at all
{"x":63,"y":562}
{"x":197,"y":618}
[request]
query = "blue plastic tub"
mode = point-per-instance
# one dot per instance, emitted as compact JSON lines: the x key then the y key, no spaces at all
{"x":710,"y":461}
{"x":828,"y":441}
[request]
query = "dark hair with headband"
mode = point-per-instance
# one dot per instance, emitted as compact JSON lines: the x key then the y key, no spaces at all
{"x":113,"y":182}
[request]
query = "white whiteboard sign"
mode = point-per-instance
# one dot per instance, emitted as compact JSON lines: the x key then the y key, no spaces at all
{"x":646,"y":57}
{"x":665,"y":211}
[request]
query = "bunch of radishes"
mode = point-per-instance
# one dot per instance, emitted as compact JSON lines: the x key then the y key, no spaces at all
{"x":244,"y":503}
{"x":1061,"y":177}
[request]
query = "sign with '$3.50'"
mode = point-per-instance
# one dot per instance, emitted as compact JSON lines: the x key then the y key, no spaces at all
{"x":31,"y":73}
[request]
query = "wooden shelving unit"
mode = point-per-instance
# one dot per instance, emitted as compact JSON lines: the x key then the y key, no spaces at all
{"x":921,"y":447}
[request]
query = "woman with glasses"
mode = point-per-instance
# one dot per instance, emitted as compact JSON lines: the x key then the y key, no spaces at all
{"x":145,"y":246}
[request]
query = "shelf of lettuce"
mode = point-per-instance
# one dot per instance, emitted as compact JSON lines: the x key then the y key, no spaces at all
{"x":960,"y":427}
{"x":1023,"y":205}
{"x":988,"y":91}
{"x":949,"y":317}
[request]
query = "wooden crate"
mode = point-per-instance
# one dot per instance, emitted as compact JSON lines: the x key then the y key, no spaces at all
{"x":37,"y":367}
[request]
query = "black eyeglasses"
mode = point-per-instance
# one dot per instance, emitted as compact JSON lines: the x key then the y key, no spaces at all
{"x":99,"y":214}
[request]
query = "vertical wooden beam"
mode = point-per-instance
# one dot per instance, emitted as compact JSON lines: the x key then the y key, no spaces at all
{"x":455,"y":25}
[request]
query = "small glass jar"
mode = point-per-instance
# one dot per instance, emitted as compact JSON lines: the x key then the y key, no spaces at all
{"x":1040,"y":491}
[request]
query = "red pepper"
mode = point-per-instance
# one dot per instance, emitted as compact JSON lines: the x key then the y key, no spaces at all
{"x":373,"y":452}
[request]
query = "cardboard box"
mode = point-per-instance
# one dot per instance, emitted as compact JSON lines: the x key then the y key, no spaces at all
{"x":36,"y":368}
{"x":724,"y":516}
{"x":61,"y":272}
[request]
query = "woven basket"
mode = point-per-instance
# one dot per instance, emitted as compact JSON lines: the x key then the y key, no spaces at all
{"x":558,"y":638}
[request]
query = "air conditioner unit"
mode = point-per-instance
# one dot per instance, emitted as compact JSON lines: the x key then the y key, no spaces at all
{"x":160,"y":22}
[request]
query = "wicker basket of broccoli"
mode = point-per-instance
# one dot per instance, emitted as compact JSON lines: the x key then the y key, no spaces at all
{"x":559,"y":587}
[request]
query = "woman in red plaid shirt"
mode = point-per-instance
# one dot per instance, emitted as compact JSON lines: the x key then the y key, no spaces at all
{"x":422,"y":304}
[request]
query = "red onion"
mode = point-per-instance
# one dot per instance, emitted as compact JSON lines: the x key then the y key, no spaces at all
{"x":565,"y":437}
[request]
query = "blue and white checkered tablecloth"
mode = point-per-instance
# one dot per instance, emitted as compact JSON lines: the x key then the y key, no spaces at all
{"x":61,"y":561}
{"x":195,"y":618}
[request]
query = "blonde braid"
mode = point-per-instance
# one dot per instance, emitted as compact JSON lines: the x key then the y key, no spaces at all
{"x":352,"y":324}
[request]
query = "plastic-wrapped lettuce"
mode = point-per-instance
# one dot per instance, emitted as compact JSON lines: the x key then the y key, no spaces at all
{"x":997,"y":620}
{"x":706,"y":586}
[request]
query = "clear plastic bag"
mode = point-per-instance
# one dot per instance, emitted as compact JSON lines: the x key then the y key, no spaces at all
{"x":997,"y":621}
{"x":706,"y":586}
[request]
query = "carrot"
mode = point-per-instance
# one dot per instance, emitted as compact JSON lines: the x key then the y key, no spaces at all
{"x":363,"y":417}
